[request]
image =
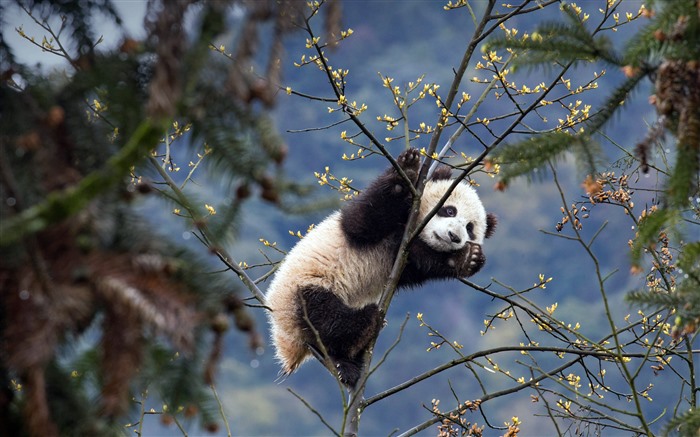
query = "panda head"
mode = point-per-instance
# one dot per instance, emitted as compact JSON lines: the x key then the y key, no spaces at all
{"x":461,"y":220}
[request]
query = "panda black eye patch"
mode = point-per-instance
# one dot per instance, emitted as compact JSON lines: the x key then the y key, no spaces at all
{"x":447,"y":211}
{"x":470,"y":230}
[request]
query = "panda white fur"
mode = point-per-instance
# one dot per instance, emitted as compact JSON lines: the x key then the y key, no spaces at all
{"x":333,"y":278}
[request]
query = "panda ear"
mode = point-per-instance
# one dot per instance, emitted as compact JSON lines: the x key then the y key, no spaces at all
{"x":441,"y":172}
{"x":491,"y":223}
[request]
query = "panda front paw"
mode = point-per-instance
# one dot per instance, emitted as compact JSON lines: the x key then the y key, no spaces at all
{"x":473,"y":261}
{"x":409,"y":161}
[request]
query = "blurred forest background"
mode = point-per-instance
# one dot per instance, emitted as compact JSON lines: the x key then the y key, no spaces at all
{"x":255,"y":196}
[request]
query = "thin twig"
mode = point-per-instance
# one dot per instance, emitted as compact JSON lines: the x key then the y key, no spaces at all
{"x":313,"y":410}
{"x":202,"y":227}
{"x":221,"y":410}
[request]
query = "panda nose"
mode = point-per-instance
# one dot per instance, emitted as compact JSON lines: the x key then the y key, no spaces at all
{"x":454,"y":238}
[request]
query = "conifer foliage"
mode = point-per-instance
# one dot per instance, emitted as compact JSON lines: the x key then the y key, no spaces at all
{"x":666,"y":52}
{"x":94,"y":302}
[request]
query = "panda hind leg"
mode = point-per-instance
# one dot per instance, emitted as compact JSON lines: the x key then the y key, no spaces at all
{"x":343,"y":332}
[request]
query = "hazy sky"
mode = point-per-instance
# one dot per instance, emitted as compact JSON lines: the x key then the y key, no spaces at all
{"x":131,"y":12}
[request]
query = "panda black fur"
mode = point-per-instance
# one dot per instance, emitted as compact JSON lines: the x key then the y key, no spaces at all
{"x":334,"y":277}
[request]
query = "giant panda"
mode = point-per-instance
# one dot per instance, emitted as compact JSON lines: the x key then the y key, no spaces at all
{"x":328,"y":286}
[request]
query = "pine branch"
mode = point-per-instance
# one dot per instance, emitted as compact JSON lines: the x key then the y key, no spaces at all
{"x":646,"y":299}
{"x":685,"y":178}
{"x":685,"y":424}
{"x":559,"y":43}
{"x":652,"y":44}
{"x":534,"y":153}
{"x":60,"y":205}
{"x":648,"y":231}
{"x":597,"y":121}
{"x":689,"y":256}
